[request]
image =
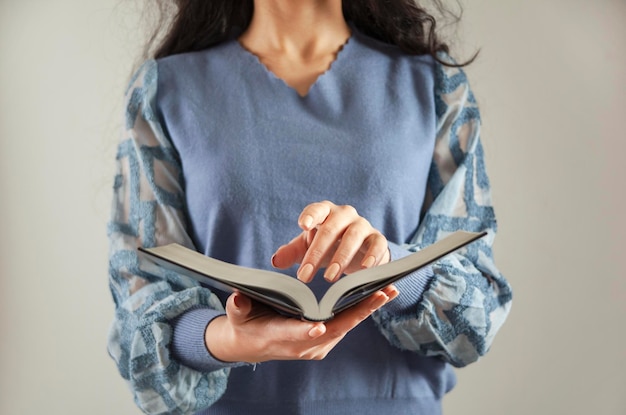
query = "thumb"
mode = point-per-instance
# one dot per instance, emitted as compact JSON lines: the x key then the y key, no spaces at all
{"x":238,"y":308}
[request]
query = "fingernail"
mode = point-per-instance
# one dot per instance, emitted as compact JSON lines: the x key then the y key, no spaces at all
{"x":307,"y":221}
{"x":394,"y":293}
{"x":305,"y":272}
{"x":368,"y":262}
{"x":237,"y":301}
{"x":381,"y":301}
{"x":332,"y":272}
{"x":317,"y":331}
{"x":272,"y":260}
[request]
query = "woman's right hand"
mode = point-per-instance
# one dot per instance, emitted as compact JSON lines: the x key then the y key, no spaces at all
{"x":251,"y":332}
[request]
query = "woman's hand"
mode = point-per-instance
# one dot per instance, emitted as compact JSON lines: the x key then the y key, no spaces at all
{"x":335,"y":237}
{"x":253,"y":333}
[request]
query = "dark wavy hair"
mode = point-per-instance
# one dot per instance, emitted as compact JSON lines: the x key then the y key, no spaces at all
{"x":191,"y":25}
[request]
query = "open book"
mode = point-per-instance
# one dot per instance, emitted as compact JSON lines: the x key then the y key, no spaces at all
{"x":290,"y":295}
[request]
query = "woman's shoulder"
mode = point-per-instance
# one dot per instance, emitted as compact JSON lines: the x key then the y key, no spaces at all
{"x":142,"y":74}
{"x":379,"y":50}
{"x":184,"y":70}
{"x":192,"y":60}
{"x":444,"y":70}
{"x":450,"y":78}
{"x":377,"y":58}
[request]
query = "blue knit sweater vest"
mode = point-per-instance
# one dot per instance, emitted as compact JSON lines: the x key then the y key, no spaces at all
{"x":254,"y":153}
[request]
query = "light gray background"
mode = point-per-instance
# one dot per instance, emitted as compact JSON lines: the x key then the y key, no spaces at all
{"x":551,"y":82}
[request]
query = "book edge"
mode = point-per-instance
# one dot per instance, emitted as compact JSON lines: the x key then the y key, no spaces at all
{"x":394,"y":270}
{"x":193,"y":264}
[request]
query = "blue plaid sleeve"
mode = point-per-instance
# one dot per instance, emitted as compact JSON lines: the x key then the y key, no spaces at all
{"x":148,"y":211}
{"x":468,"y":299}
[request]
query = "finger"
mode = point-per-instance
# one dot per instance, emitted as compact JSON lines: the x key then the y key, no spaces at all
{"x":287,"y":330}
{"x":238,"y":308}
{"x":240,"y":303}
{"x":377,"y":252}
{"x":326,"y":238}
{"x":291,"y":253}
{"x":317,"y":331}
{"x":352,"y":240}
{"x":241,"y":310}
{"x":391,"y":291}
{"x":315,"y":214}
{"x":350,"y":318}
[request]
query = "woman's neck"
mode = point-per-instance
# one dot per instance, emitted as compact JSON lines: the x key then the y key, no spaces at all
{"x":302,"y":30}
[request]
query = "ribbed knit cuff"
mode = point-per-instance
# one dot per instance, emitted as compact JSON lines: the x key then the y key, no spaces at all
{"x":411,"y":287}
{"x":188,"y":346}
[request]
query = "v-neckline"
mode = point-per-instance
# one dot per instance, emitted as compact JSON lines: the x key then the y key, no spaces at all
{"x":339,"y":57}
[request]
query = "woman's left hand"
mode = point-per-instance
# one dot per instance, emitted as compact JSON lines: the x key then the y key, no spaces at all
{"x":335,"y":237}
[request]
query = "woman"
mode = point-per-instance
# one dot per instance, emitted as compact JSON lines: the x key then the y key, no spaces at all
{"x":320,"y":138}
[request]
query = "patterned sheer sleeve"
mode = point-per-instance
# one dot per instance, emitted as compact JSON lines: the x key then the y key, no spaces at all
{"x":148,"y":211}
{"x":468,"y":299}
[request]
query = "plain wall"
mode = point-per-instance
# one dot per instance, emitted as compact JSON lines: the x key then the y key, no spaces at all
{"x":551,"y":83}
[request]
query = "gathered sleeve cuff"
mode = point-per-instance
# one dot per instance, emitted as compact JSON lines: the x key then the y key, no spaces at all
{"x":411,"y":287}
{"x":188,"y":341}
